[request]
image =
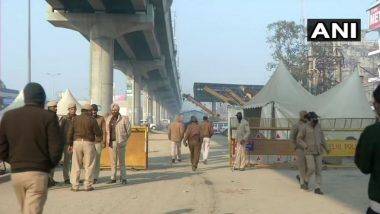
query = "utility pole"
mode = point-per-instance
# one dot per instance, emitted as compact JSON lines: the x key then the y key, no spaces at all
{"x":29,"y":46}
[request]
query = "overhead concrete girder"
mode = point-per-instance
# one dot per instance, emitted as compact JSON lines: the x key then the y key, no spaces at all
{"x":103,"y":24}
{"x":97,"y":5}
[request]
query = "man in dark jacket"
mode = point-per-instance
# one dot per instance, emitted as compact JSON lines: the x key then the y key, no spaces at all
{"x":81,"y":136}
{"x":31,"y":143}
{"x":367,"y":157}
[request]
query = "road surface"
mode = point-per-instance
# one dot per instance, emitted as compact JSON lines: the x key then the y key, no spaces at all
{"x":214,"y":188}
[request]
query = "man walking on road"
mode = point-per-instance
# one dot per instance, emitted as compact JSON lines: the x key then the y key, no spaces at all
{"x":299,"y":150}
{"x":99,"y":141}
{"x":52,"y":106}
{"x":175,"y":134}
{"x":194,"y":140}
{"x":31,"y":143}
{"x":367,"y":157}
{"x":242,"y":135}
{"x":65,"y":123}
{"x":118,"y":131}
{"x":312,"y":139}
{"x":207,"y":130}
{"x":81,"y":136}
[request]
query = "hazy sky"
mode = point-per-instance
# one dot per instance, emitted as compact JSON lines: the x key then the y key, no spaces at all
{"x":219,"y":41}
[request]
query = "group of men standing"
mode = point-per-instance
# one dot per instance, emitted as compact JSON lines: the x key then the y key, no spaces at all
{"x":310,"y":145}
{"x":196,"y":136}
{"x":34,"y":153}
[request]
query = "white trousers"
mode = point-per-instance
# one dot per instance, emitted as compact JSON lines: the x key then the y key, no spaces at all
{"x":206,"y":147}
{"x":176,"y":150}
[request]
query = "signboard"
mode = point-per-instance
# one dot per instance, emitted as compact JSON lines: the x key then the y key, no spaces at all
{"x":341,"y":148}
{"x":374,"y":17}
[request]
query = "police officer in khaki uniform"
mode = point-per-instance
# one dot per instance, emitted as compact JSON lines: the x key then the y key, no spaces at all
{"x":299,"y":150}
{"x":99,"y":141}
{"x":312,"y":139}
{"x":52,"y":106}
{"x":65,"y":124}
{"x":81,"y":136}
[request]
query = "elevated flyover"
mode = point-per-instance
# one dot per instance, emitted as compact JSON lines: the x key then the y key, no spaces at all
{"x":134,"y":36}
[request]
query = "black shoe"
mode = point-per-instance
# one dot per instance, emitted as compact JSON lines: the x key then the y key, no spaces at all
{"x":179,"y":160}
{"x":124,"y":181}
{"x":318,"y":191}
{"x":298,"y":179}
{"x":95,"y":181}
{"x":173,"y":160}
{"x":89,"y":189}
{"x":194,"y":168}
{"x":51,"y":183}
{"x":67,"y":181}
{"x":111,"y":182}
{"x":304,"y":186}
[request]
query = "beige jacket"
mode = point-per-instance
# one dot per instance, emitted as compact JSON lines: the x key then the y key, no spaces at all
{"x":243,"y":131}
{"x":123,"y":130}
{"x":312,"y":139}
{"x":207,"y":129}
{"x":176,"y":131}
{"x":294,"y":133}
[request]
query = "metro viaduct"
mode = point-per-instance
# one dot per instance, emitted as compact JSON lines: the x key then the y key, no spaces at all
{"x":134,"y":36}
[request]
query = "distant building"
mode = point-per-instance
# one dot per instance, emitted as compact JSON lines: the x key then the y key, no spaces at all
{"x":6,"y":95}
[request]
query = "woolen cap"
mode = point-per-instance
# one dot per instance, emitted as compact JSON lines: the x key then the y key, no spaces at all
{"x":34,"y":94}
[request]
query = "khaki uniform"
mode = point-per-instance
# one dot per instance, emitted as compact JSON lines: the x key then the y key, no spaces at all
{"x":299,"y":151}
{"x":207,"y":130}
{"x":118,"y":146}
{"x":314,"y":141}
{"x":175,"y":135}
{"x":99,"y":144}
{"x":82,"y":133}
{"x":31,"y":190}
{"x":242,"y":135}
{"x":65,"y":123}
{"x":193,"y":136}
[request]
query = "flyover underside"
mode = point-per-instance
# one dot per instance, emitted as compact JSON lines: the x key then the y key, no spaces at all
{"x":142,"y":40}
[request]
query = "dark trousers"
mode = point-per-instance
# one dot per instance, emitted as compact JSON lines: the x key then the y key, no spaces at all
{"x":370,"y":211}
{"x":195,"y":151}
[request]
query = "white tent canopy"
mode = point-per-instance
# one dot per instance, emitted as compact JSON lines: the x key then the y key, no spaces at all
{"x":345,"y":100}
{"x":63,"y":104}
{"x":288,"y":96}
{"x":18,"y":102}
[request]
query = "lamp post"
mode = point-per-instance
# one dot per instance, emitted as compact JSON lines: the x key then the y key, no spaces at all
{"x":53,"y":75}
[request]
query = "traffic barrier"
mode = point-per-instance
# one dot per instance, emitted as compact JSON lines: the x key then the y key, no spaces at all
{"x":136,"y":152}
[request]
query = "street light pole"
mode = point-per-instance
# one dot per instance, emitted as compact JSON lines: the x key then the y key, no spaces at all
{"x":52,"y":75}
{"x":29,"y":46}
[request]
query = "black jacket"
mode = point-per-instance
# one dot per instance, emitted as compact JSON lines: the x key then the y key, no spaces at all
{"x":367,"y":158}
{"x":30,"y":139}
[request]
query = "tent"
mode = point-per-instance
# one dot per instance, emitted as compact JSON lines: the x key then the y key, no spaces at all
{"x":63,"y":104}
{"x":18,"y":102}
{"x":348,"y":95}
{"x":285,"y":93}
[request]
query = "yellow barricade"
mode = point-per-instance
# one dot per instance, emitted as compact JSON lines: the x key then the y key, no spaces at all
{"x":136,"y":152}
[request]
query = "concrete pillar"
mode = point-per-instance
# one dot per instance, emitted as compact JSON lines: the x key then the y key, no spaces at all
{"x":158,"y":112}
{"x":213,"y":107}
{"x":150,"y":107}
{"x":101,"y":81}
{"x":137,"y":100}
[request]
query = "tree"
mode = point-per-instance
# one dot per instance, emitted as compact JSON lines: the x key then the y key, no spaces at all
{"x":287,"y":40}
